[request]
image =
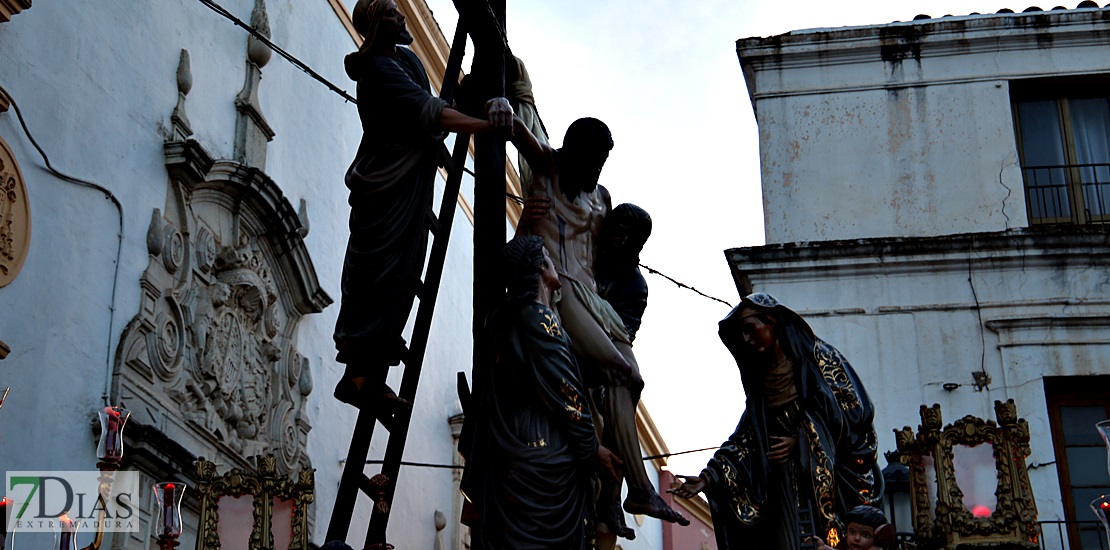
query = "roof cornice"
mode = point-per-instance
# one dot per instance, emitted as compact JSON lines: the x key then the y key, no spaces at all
{"x":928,"y":38}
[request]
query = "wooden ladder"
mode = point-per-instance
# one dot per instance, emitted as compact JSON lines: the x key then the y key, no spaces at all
{"x":354,"y":479}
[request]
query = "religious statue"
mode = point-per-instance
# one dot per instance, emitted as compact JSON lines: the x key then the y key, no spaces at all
{"x":805,"y":439}
{"x":620,"y":283}
{"x":529,"y":438}
{"x":566,"y":206}
{"x":391,"y":182}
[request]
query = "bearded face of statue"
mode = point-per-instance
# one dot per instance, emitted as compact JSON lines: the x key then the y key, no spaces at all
{"x":585,"y":149}
{"x":380,"y":23}
{"x":582,"y":167}
{"x":393,"y":29}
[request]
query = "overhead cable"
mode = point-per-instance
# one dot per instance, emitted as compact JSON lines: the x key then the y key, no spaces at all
{"x":308,"y":70}
{"x":683,"y":285}
{"x":459,"y":467}
{"x":119,"y":237}
{"x":288,"y":56}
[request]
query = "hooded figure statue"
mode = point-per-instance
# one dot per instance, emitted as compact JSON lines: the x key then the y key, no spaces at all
{"x":805,"y":440}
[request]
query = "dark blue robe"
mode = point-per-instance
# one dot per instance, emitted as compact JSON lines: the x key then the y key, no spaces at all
{"x":392,"y":181}
{"x":529,"y":438}
{"x":755,"y":502}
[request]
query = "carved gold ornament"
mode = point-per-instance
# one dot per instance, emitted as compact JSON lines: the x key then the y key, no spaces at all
{"x":941,"y":517}
{"x":15,"y":216}
{"x":265,"y":486}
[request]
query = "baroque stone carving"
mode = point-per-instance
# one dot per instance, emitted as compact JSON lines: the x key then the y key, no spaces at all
{"x":179,"y":120}
{"x":947,"y":523}
{"x":252,"y":132}
{"x":211,"y":354}
{"x":15,"y":216}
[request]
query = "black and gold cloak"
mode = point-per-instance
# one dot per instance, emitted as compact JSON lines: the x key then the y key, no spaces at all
{"x":529,"y":438}
{"x":754,"y":502}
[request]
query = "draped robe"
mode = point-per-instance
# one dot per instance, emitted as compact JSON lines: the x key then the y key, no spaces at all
{"x":391,"y":181}
{"x":529,"y":438}
{"x":754,"y":502}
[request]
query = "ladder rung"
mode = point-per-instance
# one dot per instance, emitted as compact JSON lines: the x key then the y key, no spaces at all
{"x":419,"y":287}
{"x":364,"y":485}
{"x":433,"y":222}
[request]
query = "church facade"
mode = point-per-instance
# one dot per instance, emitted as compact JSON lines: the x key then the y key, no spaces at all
{"x":182,"y":256}
{"x":186,"y":262}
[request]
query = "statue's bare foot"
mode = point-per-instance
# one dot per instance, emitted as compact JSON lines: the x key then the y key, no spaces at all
{"x":611,"y":515}
{"x":649,"y":503}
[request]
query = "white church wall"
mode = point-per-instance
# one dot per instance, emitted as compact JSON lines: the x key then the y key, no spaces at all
{"x":98,"y":98}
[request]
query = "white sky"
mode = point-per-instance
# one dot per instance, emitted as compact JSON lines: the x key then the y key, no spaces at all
{"x":665,"y":77}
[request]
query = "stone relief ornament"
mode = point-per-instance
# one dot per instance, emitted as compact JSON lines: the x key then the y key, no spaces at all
{"x":210,"y":357}
{"x":15,"y":216}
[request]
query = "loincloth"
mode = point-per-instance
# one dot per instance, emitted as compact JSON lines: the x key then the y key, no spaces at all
{"x":606,"y":317}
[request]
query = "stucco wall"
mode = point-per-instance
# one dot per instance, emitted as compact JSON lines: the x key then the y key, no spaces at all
{"x":96,"y":83}
{"x":904,"y":129}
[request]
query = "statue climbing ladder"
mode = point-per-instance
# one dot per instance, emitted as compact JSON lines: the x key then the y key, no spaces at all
{"x":354,"y":478}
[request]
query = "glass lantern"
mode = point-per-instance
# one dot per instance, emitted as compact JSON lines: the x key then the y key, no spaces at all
{"x":112,"y":421}
{"x":3,"y":521}
{"x":168,"y":496}
{"x":66,"y":531}
{"x":1101,"y":507}
{"x":977,"y":476}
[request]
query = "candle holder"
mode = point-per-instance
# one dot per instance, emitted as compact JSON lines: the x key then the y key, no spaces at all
{"x":1101,"y":507}
{"x":3,"y":522}
{"x":168,"y":496}
{"x":66,"y":533}
{"x":946,"y":464}
{"x":109,"y":452}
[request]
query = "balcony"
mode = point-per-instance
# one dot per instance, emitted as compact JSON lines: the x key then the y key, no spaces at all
{"x":1068,"y":193}
{"x":1084,"y":535}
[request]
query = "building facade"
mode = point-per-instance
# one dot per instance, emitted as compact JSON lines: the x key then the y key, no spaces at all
{"x":933,"y":197}
{"x":183,"y":256}
{"x":196,"y":282}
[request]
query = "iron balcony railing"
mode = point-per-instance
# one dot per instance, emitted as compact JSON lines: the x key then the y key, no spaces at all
{"x":1072,"y":535}
{"x":1068,"y":193}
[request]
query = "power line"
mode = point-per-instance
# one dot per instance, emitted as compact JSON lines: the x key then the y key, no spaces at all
{"x":308,"y":70}
{"x":288,"y":56}
{"x":666,"y":455}
{"x":683,"y":285}
{"x":457,"y":467}
{"x":119,"y":236}
{"x":421,"y":464}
